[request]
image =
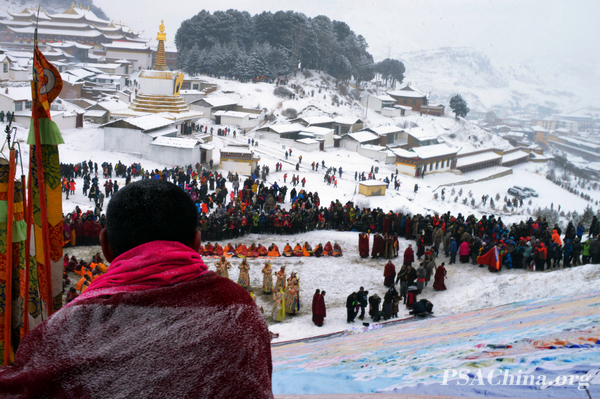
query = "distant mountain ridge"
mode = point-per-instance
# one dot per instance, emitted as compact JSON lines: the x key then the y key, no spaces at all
{"x":488,"y":85}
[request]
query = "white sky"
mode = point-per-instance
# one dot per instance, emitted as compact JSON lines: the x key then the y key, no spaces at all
{"x":512,"y":31}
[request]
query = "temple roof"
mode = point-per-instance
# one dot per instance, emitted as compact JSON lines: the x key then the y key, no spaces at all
{"x":57,"y":32}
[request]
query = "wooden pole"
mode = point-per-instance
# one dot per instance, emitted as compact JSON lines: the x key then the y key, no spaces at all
{"x":27,"y":216}
{"x":9,"y":260}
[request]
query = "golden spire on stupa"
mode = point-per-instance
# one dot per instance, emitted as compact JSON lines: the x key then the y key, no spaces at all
{"x":160,"y":64}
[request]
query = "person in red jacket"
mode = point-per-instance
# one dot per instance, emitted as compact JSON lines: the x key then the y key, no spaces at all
{"x":158,"y":324}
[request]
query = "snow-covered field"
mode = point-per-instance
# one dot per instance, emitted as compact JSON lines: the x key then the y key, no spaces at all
{"x":469,"y":287}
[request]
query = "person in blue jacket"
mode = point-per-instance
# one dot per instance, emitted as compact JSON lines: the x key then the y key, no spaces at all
{"x":453,"y":250}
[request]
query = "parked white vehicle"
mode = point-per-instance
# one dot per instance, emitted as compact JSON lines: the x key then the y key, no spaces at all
{"x":525,"y":193}
{"x":531,"y":191}
{"x":517,"y":192}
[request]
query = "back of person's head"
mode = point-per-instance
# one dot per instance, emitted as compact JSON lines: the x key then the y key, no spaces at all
{"x":149,"y":210}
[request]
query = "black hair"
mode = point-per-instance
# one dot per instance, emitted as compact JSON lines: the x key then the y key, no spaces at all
{"x":149,"y":210}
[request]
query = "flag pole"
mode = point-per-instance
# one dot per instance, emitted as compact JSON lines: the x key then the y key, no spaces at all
{"x":9,"y":257}
{"x":42,"y":192}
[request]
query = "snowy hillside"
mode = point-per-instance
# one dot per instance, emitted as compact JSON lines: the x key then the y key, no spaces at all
{"x":491,"y":84}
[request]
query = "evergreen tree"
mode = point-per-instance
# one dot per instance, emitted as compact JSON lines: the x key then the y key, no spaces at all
{"x":459,"y":106}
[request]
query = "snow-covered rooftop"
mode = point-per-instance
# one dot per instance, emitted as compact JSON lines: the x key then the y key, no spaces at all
{"x":317,"y":130}
{"x":363,"y":137}
{"x":435,"y":150}
{"x":307,"y":141}
{"x":57,"y":32}
{"x":149,"y":122}
{"x":126,"y":45}
{"x":371,"y":183}
{"x":314,"y":120}
{"x":512,"y":156}
{"x":17,"y":93}
{"x":95,"y":113}
{"x":381,"y":130}
{"x":287,"y":128}
{"x":219,"y":101}
{"x":384,"y":98}
{"x":477,"y":158}
{"x":232,"y":114}
{"x":177,"y":142}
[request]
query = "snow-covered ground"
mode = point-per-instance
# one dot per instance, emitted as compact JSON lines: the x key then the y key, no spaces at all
{"x":469,"y":287}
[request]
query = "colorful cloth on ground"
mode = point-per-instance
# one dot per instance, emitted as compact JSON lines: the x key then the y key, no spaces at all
{"x":550,"y":337}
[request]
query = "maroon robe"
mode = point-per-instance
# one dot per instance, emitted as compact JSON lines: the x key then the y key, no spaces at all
{"x":409,"y":256}
{"x":409,"y":223}
{"x":363,"y":245}
{"x":320,"y":311}
{"x":389,"y":272}
{"x":440,"y":275}
{"x":378,"y":246}
{"x":314,"y":305}
{"x":169,"y":342}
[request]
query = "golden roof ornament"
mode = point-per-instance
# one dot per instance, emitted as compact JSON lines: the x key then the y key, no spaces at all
{"x":162,"y":35}
{"x":160,"y":63}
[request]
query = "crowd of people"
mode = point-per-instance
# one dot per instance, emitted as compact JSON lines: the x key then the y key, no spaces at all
{"x":254,"y":206}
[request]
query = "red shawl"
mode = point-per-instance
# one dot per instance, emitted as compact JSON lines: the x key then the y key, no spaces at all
{"x":151,"y":265}
{"x":201,"y":337}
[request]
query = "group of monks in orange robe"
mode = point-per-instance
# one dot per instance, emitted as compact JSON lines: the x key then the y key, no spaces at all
{"x":255,"y":251}
{"x":239,"y":251}
{"x":307,"y":250}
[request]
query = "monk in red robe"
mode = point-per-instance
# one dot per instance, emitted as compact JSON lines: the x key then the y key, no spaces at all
{"x":318,"y":252}
{"x":320,"y":310}
{"x":273,"y":251}
{"x":287,"y":250}
{"x":337,"y":250}
{"x":298,"y":250}
{"x":209,"y":249}
{"x":363,"y":245}
{"x":262,"y":251}
{"x":378,"y":246}
{"x":218,"y":250}
{"x":328,"y":249}
{"x":440,"y":276}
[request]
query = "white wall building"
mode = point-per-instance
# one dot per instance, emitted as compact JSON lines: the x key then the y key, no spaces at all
{"x":15,"y":99}
{"x":243,"y":120}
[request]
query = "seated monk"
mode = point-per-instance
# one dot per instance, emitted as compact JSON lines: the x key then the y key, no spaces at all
{"x":229,"y":250}
{"x":252,"y":251}
{"x":209,"y":250}
{"x":327,"y":250}
{"x":287,"y":250}
{"x":318,"y":250}
{"x":273,"y":251}
{"x":218,"y":250}
{"x":298,"y":250}
{"x":307,"y":249}
{"x":337,"y":250}
{"x":241,"y":251}
{"x":262,"y":251}
{"x":201,"y":250}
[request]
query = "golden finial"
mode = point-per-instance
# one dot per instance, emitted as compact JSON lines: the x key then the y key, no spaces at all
{"x":162,"y":36}
{"x":73,"y":5}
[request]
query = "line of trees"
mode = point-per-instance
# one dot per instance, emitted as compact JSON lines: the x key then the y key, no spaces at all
{"x":271,"y":44}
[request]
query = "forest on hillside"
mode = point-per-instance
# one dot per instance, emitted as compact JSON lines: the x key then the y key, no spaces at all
{"x":234,"y":43}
